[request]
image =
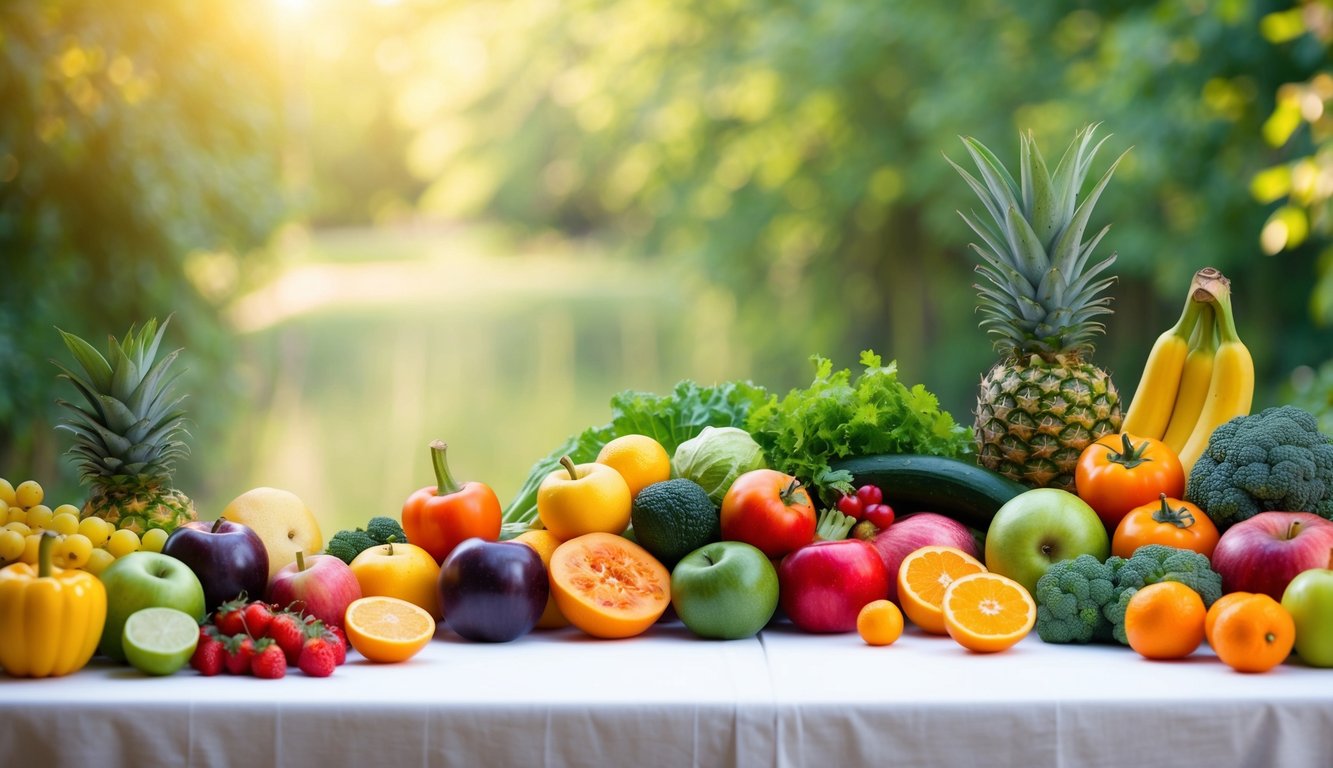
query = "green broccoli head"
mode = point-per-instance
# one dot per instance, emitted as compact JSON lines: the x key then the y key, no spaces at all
{"x":1272,"y":460}
{"x":1070,"y":599}
{"x":1156,"y":562}
{"x":385,"y":529}
{"x":346,"y":545}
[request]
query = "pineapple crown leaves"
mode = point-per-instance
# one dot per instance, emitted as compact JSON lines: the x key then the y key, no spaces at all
{"x":132,"y":422}
{"x":1044,"y":290}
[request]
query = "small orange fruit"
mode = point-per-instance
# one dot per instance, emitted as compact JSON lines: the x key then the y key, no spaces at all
{"x":545,"y":543}
{"x":922,"y":579}
{"x":387,"y":629}
{"x":987,"y":612}
{"x":1253,"y":634}
{"x":1210,"y":618}
{"x":639,"y":459}
{"x":1165,"y":621}
{"x":879,"y":622}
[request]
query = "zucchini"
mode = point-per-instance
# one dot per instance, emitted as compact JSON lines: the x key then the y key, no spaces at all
{"x":914,"y":483}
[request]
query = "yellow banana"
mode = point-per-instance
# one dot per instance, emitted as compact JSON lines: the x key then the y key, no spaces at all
{"x":1231,"y":390}
{"x":1193,"y":383}
{"x":1150,"y":410}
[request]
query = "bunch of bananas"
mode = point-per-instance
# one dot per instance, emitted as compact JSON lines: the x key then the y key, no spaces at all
{"x":1198,"y":375}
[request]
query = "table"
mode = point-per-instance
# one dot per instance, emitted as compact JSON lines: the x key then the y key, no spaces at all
{"x":784,"y":698}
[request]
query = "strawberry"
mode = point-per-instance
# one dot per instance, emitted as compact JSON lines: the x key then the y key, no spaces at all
{"x":319,"y":655}
{"x":338,"y":635}
{"x":240,"y":649}
{"x":269,"y":662}
{"x":257,"y":616}
{"x":210,"y":655}
{"x":287,"y":629}
{"x":228,"y":617}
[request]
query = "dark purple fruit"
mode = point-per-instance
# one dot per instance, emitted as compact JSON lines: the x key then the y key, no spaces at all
{"x":492,"y":591}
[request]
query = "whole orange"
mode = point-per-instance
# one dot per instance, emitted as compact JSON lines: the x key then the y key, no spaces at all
{"x":1165,"y":621}
{"x":545,"y":543}
{"x":1253,"y":633}
{"x":400,"y":570}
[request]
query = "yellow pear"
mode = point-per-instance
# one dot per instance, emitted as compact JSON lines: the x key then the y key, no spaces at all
{"x":282,"y":521}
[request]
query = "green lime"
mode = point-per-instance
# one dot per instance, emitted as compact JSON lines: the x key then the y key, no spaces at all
{"x":159,"y":641}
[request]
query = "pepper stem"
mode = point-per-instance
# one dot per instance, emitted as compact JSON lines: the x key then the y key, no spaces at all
{"x":443,"y":478}
{"x":44,"y":547}
{"x":568,"y":464}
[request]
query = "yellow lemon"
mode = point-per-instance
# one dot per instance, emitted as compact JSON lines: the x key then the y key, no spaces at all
{"x":639,"y":459}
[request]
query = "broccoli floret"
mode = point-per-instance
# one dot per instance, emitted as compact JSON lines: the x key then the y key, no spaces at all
{"x":1071,"y":596}
{"x":385,"y":529}
{"x":1273,"y":460}
{"x":346,"y":545}
{"x":1156,"y":562}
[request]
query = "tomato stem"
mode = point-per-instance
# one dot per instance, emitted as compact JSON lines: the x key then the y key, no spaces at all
{"x":443,"y":478}
{"x":1180,"y":518}
{"x":1130,"y":455}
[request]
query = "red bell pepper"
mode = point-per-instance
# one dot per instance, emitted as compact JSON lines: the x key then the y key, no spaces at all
{"x":437,"y":518}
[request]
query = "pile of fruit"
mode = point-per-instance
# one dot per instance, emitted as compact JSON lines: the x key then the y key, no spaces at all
{"x":853,"y":505}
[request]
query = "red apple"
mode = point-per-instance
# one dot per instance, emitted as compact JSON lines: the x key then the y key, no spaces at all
{"x":1264,"y":553}
{"x":824,"y":585}
{"x":923,"y":529}
{"x":320,"y":585}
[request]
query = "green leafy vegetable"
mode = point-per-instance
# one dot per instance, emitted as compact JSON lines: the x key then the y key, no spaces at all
{"x":836,"y":417}
{"x":669,"y":419}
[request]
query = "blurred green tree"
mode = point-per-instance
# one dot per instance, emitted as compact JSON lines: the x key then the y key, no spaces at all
{"x":139,"y":167}
{"x":795,"y":151}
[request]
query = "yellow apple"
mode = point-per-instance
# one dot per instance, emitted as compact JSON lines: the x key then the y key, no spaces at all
{"x":282,"y":521}
{"x":400,"y":570}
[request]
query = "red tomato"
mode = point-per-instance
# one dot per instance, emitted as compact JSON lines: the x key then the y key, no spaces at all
{"x":769,"y":510}
{"x":1168,"y":521}
{"x":1121,"y":471}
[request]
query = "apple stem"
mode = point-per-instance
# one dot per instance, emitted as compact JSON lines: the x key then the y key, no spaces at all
{"x":300,"y":560}
{"x":443,"y":478}
{"x":217,"y":524}
{"x":1294,"y":529}
{"x":1330,"y":559}
{"x":568,"y":464}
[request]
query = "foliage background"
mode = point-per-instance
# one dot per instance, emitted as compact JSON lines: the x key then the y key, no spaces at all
{"x":590,"y":195}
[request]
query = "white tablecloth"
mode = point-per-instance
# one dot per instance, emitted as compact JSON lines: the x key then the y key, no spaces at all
{"x":668,"y":699}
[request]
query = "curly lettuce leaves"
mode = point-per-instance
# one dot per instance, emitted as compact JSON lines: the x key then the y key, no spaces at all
{"x":838,"y":416}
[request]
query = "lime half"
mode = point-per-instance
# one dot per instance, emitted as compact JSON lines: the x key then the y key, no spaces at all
{"x":159,"y":641}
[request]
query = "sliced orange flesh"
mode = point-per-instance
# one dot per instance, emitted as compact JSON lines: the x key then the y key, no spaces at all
{"x":924,"y":576}
{"x":387,"y":629}
{"x":987,"y":612}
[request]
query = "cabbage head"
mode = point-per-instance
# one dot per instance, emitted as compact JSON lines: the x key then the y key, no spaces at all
{"x":716,"y":457}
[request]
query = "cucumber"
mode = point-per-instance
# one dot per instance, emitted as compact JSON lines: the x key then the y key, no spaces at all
{"x":915,"y":483}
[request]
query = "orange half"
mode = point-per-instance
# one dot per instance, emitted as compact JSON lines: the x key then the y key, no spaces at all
{"x":387,"y":629}
{"x":987,"y":612}
{"x":924,"y":576}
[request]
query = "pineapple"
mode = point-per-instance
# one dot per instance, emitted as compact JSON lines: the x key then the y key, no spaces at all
{"x":127,"y":438}
{"x":1043,"y":402}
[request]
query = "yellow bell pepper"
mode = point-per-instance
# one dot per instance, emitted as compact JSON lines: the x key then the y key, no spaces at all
{"x":50,"y":618}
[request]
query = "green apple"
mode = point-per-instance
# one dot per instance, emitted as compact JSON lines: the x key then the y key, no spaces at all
{"x":146,"y":580}
{"x":1309,"y":600}
{"x":1040,"y":527}
{"x":725,"y":590}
